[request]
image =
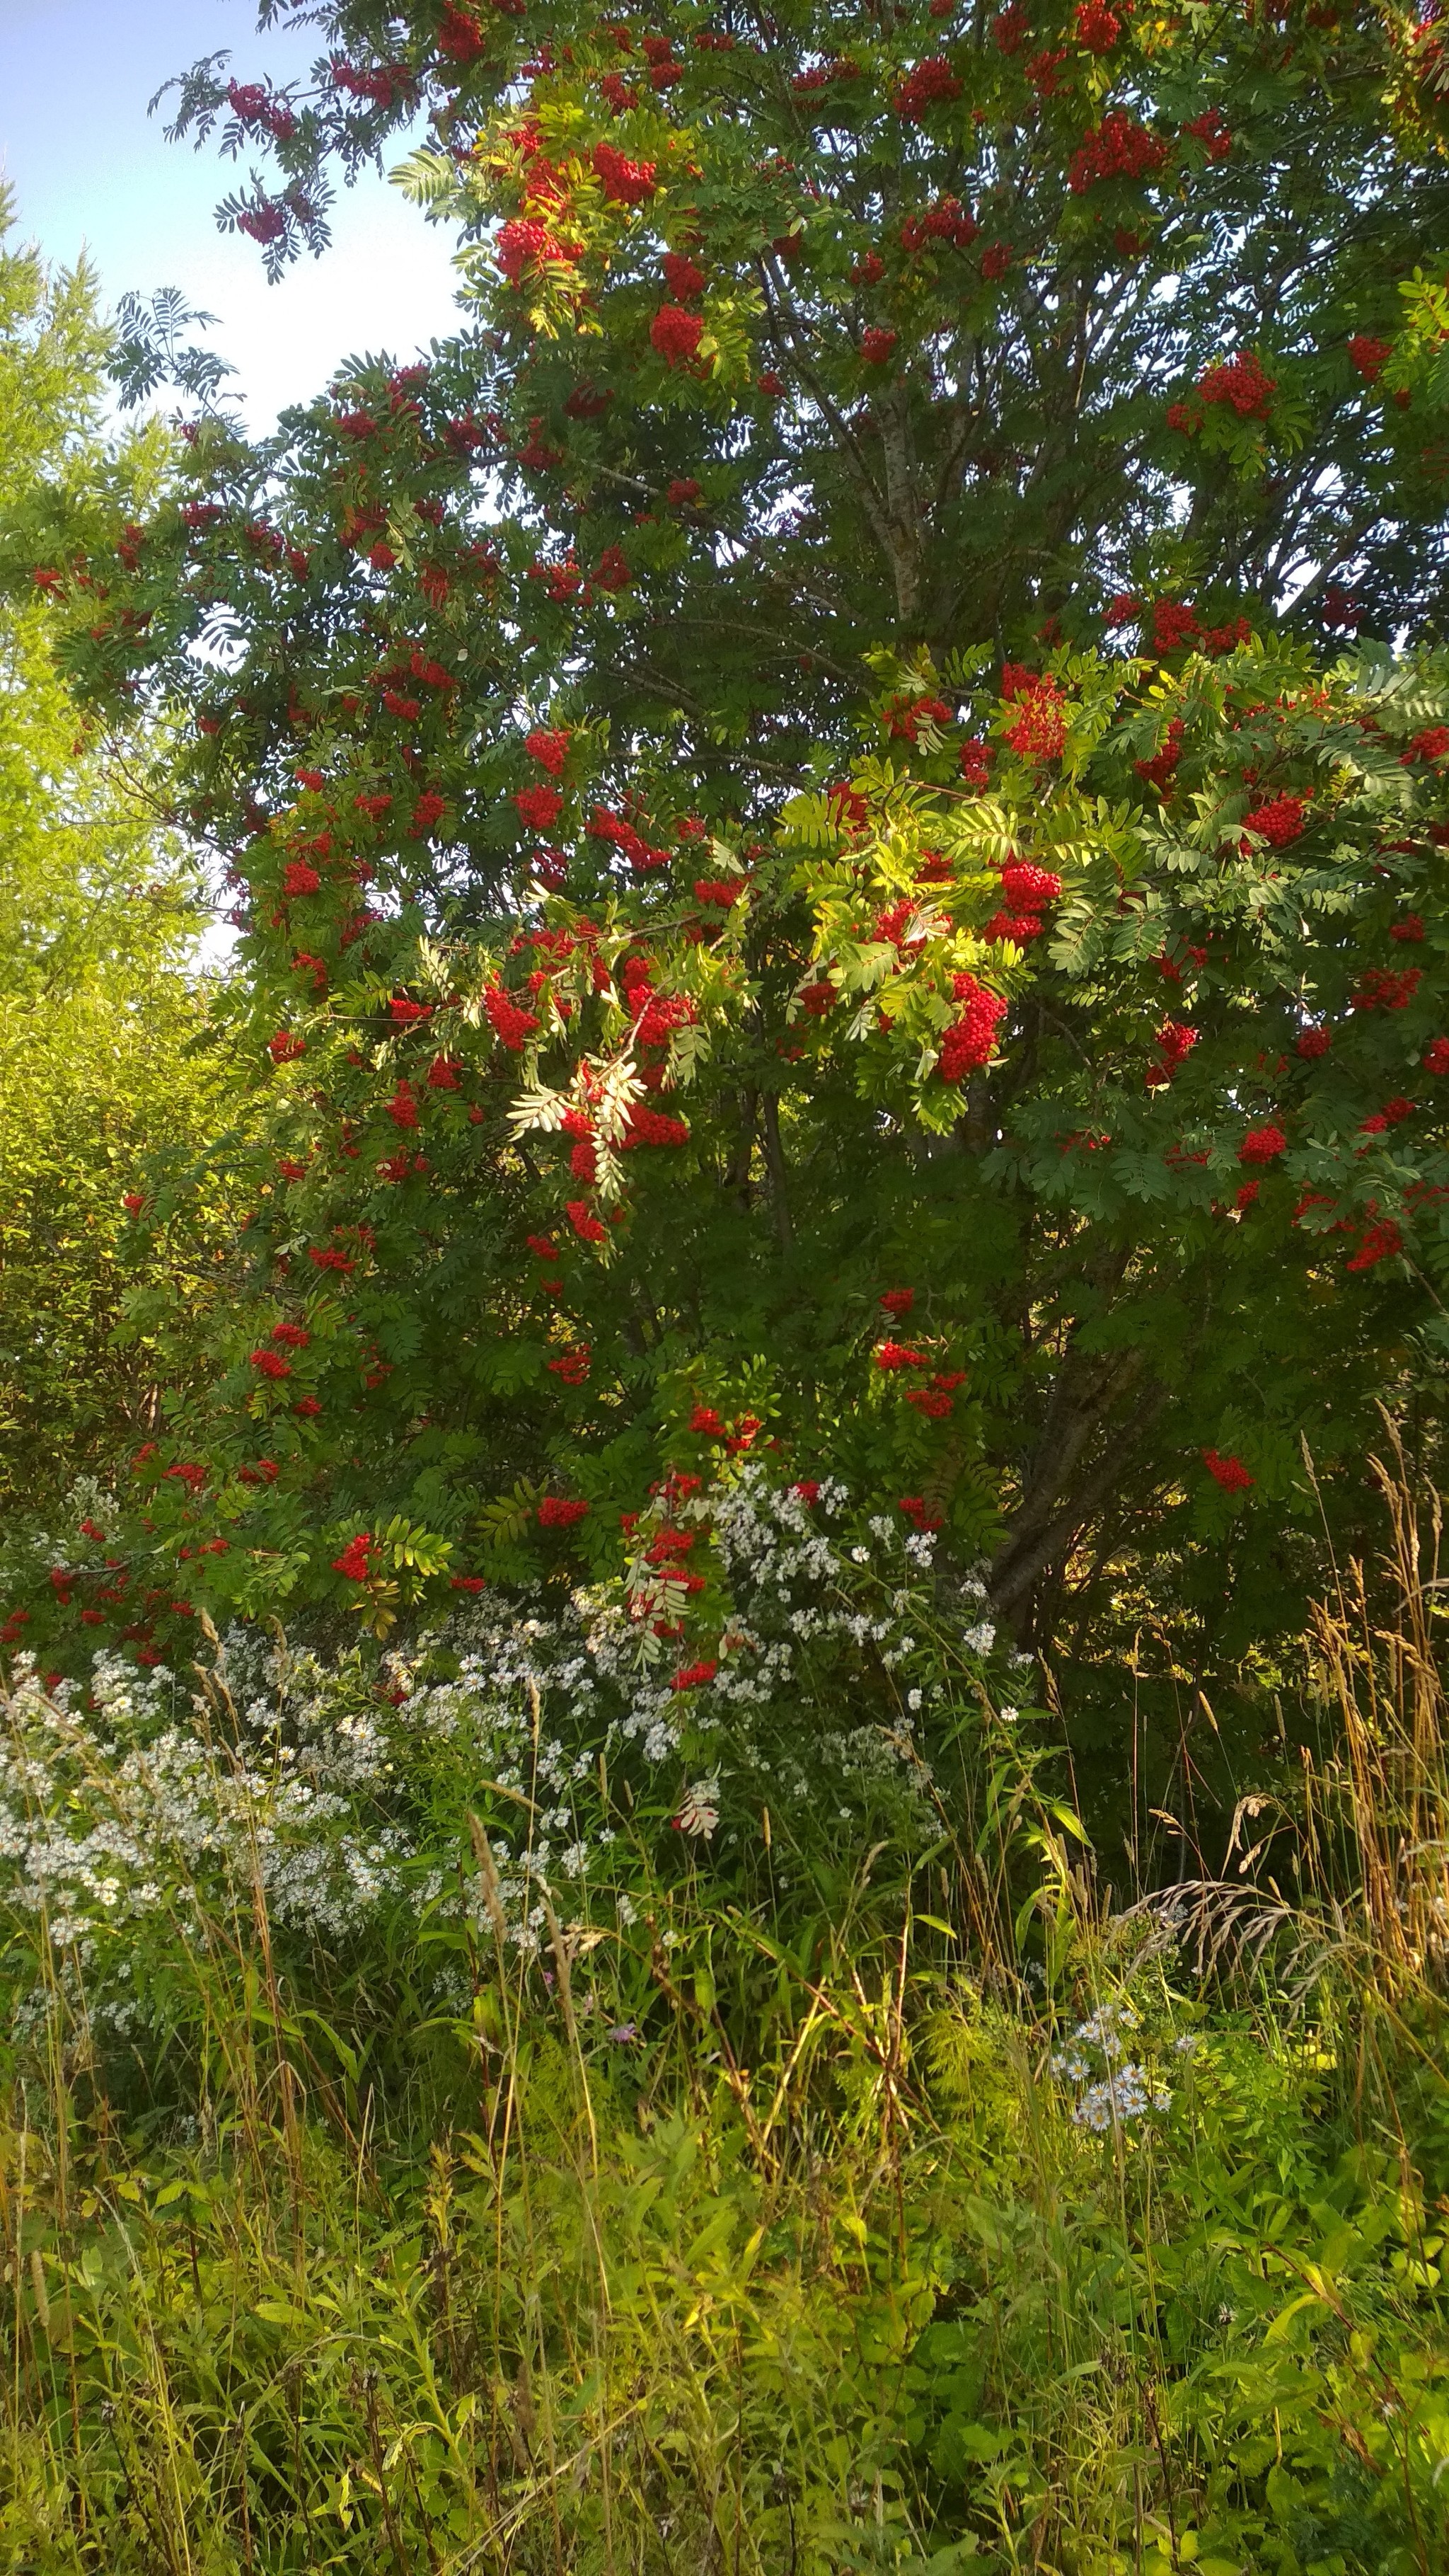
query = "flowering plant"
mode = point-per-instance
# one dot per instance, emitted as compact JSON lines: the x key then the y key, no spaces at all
{"x":341,"y":1789}
{"x":761,"y":902}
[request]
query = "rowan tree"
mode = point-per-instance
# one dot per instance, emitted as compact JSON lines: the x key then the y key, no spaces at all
{"x":809,"y":867}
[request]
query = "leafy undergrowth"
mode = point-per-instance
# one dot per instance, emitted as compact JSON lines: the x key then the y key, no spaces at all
{"x":902,"y":2297}
{"x":841,"y":2185}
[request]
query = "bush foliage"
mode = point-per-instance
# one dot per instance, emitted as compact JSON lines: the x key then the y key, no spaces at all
{"x":717,"y":1845}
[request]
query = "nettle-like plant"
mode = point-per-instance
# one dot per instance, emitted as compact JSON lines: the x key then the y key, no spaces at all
{"x":752,"y":960}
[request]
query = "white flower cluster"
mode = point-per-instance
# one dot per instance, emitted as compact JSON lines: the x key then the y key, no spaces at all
{"x":1123,"y":2091}
{"x":138,"y":1807}
{"x":1123,"y":2095}
{"x":327,"y":1787}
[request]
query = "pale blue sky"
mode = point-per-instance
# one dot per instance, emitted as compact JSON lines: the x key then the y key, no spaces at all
{"x":91,"y":169}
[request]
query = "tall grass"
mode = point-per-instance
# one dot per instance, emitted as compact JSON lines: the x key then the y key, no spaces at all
{"x":1387,"y":1782}
{"x":845,"y":2250}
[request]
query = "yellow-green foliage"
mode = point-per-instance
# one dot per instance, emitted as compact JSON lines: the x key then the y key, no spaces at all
{"x":104,"y":1057}
{"x":1016,"y":2233}
{"x":604,"y":2323}
{"x":1019,"y":2232}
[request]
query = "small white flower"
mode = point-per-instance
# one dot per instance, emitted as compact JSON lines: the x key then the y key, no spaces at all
{"x":1008,"y":1715}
